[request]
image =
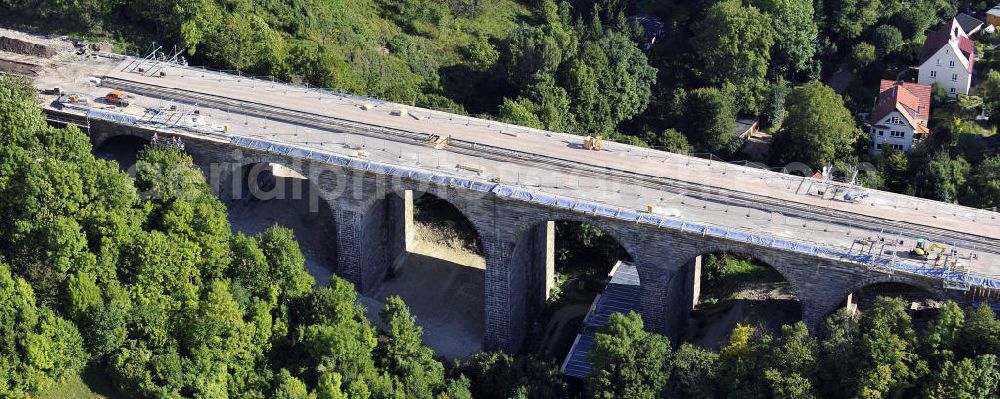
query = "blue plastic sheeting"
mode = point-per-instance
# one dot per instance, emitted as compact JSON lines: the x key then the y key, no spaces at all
{"x":565,"y":203}
{"x":503,"y":191}
{"x":606,"y":211}
{"x":422,"y":175}
{"x":484,"y":187}
{"x":298,"y":152}
{"x":715,"y":231}
{"x":545,"y":199}
{"x":584,"y":207}
{"x":522,"y":195}
{"x":693,"y":228}
{"x":739,"y":236}
{"x":623,"y":294}
{"x":112,"y":116}
{"x":672,"y":224}
{"x":629,"y":215}
{"x":782,"y":244}
{"x":650,"y":219}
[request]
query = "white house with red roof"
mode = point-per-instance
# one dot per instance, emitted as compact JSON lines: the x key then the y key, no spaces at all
{"x":899,"y":118}
{"x":947,"y":58}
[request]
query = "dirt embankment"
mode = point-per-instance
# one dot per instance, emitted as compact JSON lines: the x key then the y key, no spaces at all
{"x":18,"y":46}
{"x":18,"y":68}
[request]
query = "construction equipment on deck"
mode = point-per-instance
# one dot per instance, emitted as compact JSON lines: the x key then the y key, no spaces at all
{"x":119,"y":98}
{"x":595,"y":143}
{"x":923,"y":251}
{"x":440,"y":142}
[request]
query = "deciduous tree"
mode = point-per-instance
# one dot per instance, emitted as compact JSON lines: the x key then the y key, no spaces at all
{"x":817,"y":129}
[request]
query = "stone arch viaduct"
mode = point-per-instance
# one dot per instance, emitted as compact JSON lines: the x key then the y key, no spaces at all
{"x":364,"y":159}
{"x":372,"y":212}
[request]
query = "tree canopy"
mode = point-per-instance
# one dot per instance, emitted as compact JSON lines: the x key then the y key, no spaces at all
{"x":817,"y":128}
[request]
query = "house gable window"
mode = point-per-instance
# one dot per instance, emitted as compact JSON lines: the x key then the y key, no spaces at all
{"x":896,"y":134}
{"x":951,"y":64}
{"x":896,"y":120}
{"x":954,"y":77}
{"x":933,"y":74}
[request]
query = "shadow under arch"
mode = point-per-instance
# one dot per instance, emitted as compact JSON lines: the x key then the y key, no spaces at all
{"x":124,"y":149}
{"x":259,"y":194}
{"x":727,"y":286}
{"x":922,"y":299}
{"x":425,"y":249}
{"x":567,"y":262}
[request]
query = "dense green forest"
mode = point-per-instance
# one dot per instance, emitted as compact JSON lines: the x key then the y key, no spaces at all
{"x":142,"y":278}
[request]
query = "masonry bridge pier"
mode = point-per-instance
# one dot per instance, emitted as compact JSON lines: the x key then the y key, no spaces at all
{"x":371,"y":212}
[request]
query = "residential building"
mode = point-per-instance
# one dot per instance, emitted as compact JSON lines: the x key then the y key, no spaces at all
{"x":947,"y":58}
{"x":993,"y":16}
{"x":969,"y":24}
{"x":900,"y":116}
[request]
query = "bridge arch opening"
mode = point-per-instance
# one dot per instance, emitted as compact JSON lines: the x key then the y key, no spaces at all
{"x":730,"y":288}
{"x":922,"y":303}
{"x":123,"y":149}
{"x":262,"y":194}
{"x":426,"y":251}
{"x":569,"y":266}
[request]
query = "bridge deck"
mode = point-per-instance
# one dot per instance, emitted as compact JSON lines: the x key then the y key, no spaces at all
{"x":717,"y":175}
{"x":698,"y":190}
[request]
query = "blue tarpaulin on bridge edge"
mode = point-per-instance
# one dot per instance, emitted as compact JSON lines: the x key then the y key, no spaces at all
{"x":521,"y":195}
{"x":503,"y":191}
{"x":628,"y":214}
{"x":298,"y":152}
{"x":672,"y":224}
{"x":650,"y":219}
{"x":605,"y":211}
{"x":716,"y":231}
{"x":566,"y":203}
{"x":545,"y":199}
{"x":112,"y":117}
{"x":586,"y":207}
{"x":693,"y":228}
{"x":739,"y":236}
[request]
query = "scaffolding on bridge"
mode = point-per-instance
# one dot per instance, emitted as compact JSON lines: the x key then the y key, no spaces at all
{"x":172,"y":142}
{"x":957,"y":269}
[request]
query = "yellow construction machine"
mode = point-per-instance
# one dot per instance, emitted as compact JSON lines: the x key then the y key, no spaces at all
{"x":595,"y":143}
{"x":923,"y":251}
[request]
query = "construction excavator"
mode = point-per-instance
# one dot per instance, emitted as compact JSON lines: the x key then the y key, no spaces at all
{"x":923,"y":251}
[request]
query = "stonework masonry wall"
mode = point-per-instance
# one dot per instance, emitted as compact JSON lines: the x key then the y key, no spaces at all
{"x":517,"y":249}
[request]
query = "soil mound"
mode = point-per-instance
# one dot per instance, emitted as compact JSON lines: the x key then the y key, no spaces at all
{"x":22,"y":47}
